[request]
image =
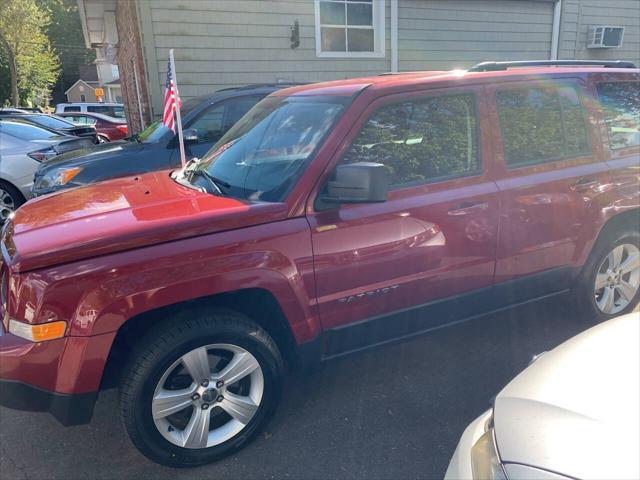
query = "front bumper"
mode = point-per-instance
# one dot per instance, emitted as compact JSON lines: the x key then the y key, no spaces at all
{"x":460,"y":464}
{"x":60,"y":376}
{"x":68,"y":409}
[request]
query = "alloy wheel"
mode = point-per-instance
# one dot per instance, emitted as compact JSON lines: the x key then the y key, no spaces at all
{"x":618,"y":279}
{"x":7,"y":205}
{"x":207,"y":396}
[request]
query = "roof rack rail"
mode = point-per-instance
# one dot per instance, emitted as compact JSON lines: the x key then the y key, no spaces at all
{"x":497,"y":66}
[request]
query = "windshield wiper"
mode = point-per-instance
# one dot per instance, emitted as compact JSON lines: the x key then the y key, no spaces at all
{"x":216,"y":183}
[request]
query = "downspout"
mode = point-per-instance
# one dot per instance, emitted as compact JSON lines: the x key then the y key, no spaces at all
{"x":555,"y":32}
{"x":394,"y":36}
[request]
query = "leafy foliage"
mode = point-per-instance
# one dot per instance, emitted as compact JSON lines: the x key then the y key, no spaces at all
{"x":22,"y":35}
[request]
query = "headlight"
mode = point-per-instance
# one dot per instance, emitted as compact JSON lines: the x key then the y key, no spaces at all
{"x":485,"y":463}
{"x":57,"y":177}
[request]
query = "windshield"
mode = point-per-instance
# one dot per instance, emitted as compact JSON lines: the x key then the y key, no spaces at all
{"x":26,"y":131}
{"x":263,"y":155}
{"x":49,"y":121}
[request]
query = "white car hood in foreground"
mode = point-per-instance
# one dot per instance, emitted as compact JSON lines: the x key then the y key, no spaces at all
{"x":576,"y":410}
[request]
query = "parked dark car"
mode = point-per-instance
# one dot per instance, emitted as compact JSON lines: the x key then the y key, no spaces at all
{"x":205,"y":120}
{"x":108,"y":128}
{"x":55,"y":124}
{"x":331,"y":218}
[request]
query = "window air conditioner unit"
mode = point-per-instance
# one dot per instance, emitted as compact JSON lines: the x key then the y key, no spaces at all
{"x":605,"y":36}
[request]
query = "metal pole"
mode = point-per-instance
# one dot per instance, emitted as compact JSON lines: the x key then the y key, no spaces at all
{"x":183,"y":157}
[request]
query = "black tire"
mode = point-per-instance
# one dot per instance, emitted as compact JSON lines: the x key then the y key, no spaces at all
{"x":583,"y":294}
{"x":16,"y":196}
{"x":166,"y":343}
{"x":101,"y":139}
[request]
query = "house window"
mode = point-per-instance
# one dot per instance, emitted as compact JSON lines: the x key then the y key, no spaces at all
{"x":83,"y":98}
{"x":350,"y":28}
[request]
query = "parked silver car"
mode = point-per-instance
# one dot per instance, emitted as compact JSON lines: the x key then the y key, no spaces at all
{"x":573,"y":413}
{"x":22,"y":148}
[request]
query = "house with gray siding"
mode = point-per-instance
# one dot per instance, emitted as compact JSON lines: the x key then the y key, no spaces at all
{"x":224,"y":43}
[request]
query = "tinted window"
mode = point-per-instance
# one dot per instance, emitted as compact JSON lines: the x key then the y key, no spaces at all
{"x":541,"y":124}
{"x":71,"y":109}
{"x":621,"y":105}
{"x":421,"y":140}
{"x":110,"y":110}
{"x":216,"y":120}
{"x":50,"y":122}
{"x":25,"y":131}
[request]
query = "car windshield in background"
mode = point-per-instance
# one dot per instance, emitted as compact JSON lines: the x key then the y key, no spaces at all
{"x":50,"y":121}
{"x":26,"y":131}
{"x":263,"y":155}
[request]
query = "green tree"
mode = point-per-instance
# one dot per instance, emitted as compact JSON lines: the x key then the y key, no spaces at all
{"x":33,"y":65}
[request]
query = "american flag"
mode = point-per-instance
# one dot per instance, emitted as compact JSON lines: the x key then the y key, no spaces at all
{"x":171,"y":97}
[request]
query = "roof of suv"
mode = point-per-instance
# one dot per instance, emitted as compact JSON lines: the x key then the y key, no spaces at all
{"x":352,"y":86}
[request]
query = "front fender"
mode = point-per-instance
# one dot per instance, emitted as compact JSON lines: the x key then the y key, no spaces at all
{"x":97,"y":296}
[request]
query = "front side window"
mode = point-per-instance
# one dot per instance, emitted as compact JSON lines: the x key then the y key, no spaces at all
{"x":71,"y":109}
{"x":264,"y":154}
{"x":350,"y":28}
{"x":421,"y":141}
{"x":541,"y":125}
{"x":621,"y":104}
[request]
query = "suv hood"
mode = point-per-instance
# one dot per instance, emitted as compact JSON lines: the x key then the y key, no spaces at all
{"x":122,"y":214}
{"x":575,"y":411}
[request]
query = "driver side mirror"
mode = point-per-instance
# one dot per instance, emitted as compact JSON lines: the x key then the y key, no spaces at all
{"x":190,"y":135}
{"x":361,"y":182}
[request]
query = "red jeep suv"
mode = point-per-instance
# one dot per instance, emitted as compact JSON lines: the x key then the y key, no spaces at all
{"x":331,"y":218}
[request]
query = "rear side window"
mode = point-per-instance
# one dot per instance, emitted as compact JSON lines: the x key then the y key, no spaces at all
{"x":25,"y":131}
{"x":541,"y":125}
{"x":621,"y":104}
{"x":422,"y":140}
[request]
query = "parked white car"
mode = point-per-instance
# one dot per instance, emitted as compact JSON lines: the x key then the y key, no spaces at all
{"x":573,"y":413}
{"x":111,"y":109}
{"x":23,"y":147}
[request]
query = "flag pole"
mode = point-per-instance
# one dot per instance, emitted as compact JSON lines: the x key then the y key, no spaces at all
{"x":183,"y":157}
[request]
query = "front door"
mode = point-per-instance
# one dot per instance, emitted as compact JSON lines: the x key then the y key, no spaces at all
{"x":434,"y":237}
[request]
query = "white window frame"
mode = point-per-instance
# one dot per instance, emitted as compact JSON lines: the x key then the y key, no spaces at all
{"x":378,"y":24}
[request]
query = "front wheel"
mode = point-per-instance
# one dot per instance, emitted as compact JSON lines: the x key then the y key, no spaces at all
{"x":199,"y":389}
{"x":610,"y":283}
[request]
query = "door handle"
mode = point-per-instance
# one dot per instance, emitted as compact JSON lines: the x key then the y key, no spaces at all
{"x":584,"y":184}
{"x":467,"y":208}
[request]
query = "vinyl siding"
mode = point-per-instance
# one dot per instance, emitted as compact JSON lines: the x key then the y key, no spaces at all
{"x":227,"y":43}
{"x":436,"y":34}
{"x":578,"y":15}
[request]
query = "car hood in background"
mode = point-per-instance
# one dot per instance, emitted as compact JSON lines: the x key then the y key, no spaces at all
{"x":576,"y":410}
{"x":122,"y":214}
{"x":92,"y":153}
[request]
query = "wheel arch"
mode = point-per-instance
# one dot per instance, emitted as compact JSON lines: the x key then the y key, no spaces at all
{"x":259,"y":304}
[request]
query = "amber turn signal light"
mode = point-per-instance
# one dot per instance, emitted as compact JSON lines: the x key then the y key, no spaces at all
{"x":38,"y":333}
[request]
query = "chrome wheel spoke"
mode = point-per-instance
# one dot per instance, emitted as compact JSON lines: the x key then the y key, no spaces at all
{"x":615,"y":257}
{"x":196,"y":433}
{"x":626,"y":290}
{"x":241,"y":365}
{"x":241,"y":408}
{"x":197,"y":364}
{"x":601,"y":280}
{"x":606,"y":301}
{"x":168,"y":402}
{"x":631,"y":263}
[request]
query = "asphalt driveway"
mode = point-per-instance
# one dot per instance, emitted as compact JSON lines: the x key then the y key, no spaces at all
{"x":396,"y":412}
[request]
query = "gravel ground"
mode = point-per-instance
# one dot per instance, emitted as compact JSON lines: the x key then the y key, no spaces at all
{"x":395,"y":412}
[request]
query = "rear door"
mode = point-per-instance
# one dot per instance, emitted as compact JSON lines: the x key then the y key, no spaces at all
{"x":549,"y":170}
{"x":434,"y":237}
